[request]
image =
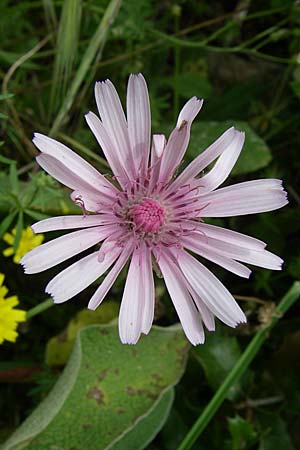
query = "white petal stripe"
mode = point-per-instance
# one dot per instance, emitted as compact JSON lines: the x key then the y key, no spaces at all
{"x":225,"y":163}
{"x":107,"y":146}
{"x":179,"y":139}
{"x":260,"y":258}
{"x":229,"y":236}
{"x":205,"y":158}
{"x":64,"y":247}
{"x":183,"y":303}
{"x":139,"y":120}
{"x":130,"y":316}
{"x":73,"y":162}
{"x":206,"y":315}
{"x":149,"y":294}
{"x":92,"y":202}
{"x":114,"y":121}
{"x":75,"y":181}
{"x":70,"y":222}
{"x":212,"y":292}
{"x":210,"y":253}
{"x":244,"y":198}
{"x":80,"y":275}
{"x":110,"y":278}
{"x":158,"y":146}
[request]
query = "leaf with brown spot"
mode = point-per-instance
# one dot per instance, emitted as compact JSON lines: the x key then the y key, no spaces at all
{"x":105,"y":379}
{"x":96,"y":394}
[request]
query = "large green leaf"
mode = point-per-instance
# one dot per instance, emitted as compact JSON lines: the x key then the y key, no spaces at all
{"x":59,"y":347}
{"x":254,"y":156}
{"x":110,"y":395}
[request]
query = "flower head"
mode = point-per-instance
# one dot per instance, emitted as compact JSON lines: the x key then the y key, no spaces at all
{"x":148,"y":215}
{"x":9,"y":317}
{"x":27,"y":242}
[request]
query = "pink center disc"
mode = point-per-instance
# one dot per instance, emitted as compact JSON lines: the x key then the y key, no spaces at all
{"x":148,"y":215}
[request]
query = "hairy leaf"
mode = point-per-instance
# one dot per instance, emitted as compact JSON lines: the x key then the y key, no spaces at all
{"x":107,"y":392}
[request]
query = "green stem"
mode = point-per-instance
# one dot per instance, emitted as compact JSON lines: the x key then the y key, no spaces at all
{"x":39,"y":308}
{"x":214,"y":49}
{"x":241,"y":366}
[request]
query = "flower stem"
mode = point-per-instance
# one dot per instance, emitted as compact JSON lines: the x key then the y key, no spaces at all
{"x":39,"y":308}
{"x":241,"y":366}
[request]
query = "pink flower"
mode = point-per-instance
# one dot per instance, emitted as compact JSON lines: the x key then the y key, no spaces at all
{"x":150,"y":216}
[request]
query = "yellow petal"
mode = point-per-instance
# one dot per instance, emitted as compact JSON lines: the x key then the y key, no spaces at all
{"x":8,"y":251}
{"x":8,"y":238}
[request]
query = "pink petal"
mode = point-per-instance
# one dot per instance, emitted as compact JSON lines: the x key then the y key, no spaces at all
{"x":178,"y":140}
{"x":69,"y":222}
{"x":206,"y":315}
{"x":225,"y":163}
{"x":183,"y":303}
{"x":114,"y":121}
{"x":139,"y":121}
{"x":157,"y":149}
{"x":209,"y":252}
{"x":111,"y":153}
{"x":110,"y":278}
{"x":148,"y":292}
{"x":88,"y":201}
{"x":212,"y":292}
{"x":205,"y":158}
{"x":74,"y":181}
{"x":260,"y":257}
{"x":111,"y":242}
{"x":80,"y":275}
{"x":73,"y":163}
{"x":131,"y":310}
{"x":244,"y":198}
{"x":229,"y":236}
{"x":58,"y":250}
{"x":158,"y":146}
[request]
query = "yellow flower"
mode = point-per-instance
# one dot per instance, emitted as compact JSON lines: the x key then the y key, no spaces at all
{"x":27,"y":242}
{"x":9,"y":317}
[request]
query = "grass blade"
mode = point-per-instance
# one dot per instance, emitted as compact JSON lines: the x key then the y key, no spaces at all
{"x":66,"y":49}
{"x":50,"y":14}
{"x":19,"y":230}
{"x":96,"y":43}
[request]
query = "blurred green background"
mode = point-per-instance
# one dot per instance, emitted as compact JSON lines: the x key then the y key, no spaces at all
{"x":243,"y":58}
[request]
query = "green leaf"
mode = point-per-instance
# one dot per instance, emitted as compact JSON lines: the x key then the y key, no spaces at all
{"x":106,"y":391}
{"x":6,"y":96}
{"x":217,"y":357}
{"x":254,"y":156}
{"x":35,"y":214}
{"x":13,"y":178}
{"x":19,"y":229}
{"x":143,"y":432}
{"x":5,"y":160}
{"x":5,"y":224}
{"x":275,"y":433}
{"x":190,"y":84}
{"x":242,"y":433}
{"x":59,"y":347}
